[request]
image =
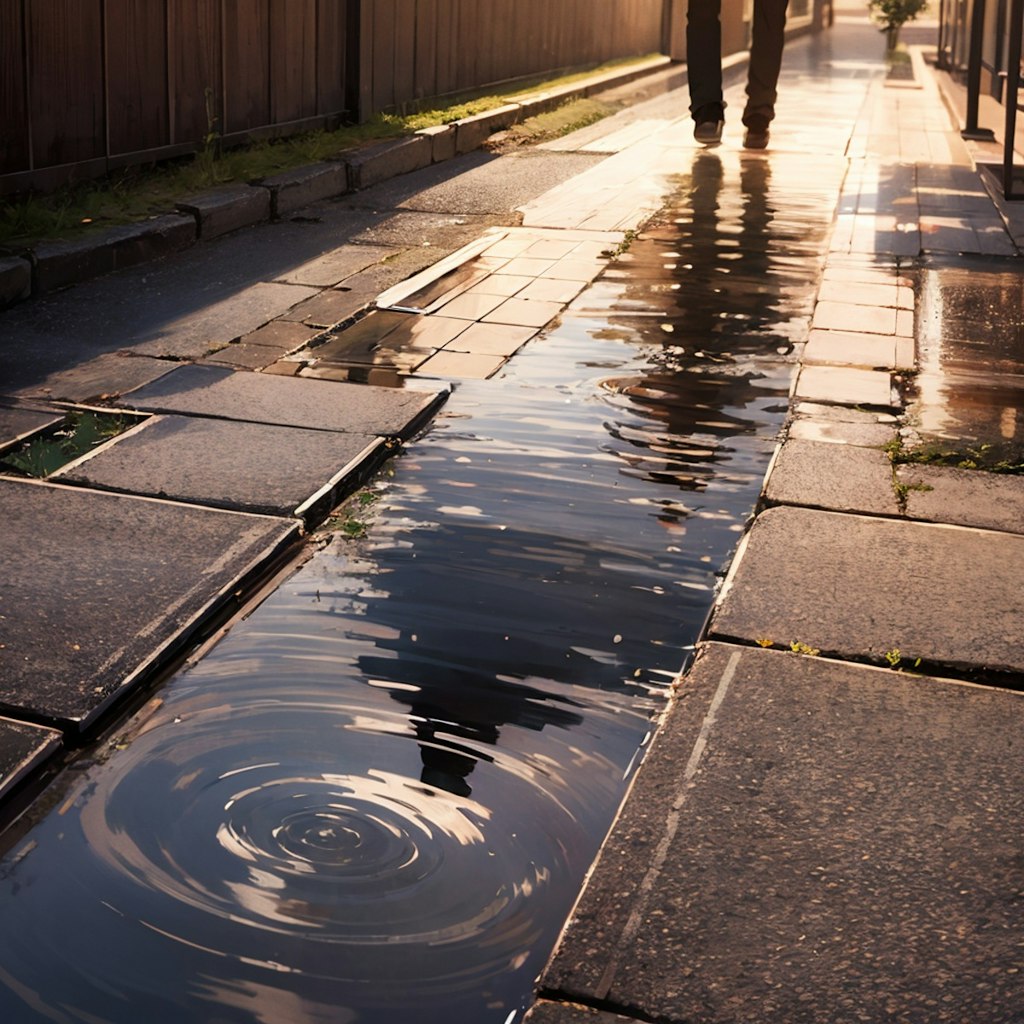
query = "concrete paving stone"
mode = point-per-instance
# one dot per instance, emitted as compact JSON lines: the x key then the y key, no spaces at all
{"x":858,"y":586}
{"x":15,"y":280}
{"x":257,"y":397}
{"x":249,"y":467}
{"x":137,"y":591}
{"x":330,"y":307}
{"x":865,"y":273}
{"x":848,"y":316}
{"x":384,"y":160}
{"x":226,"y":209}
{"x":523,"y":313}
{"x":470,"y":306}
{"x":545,"y":289}
{"x":571,"y":269}
{"x":905,"y":323}
{"x":486,"y":339}
{"x":844,"y":478}
{"x":192,"y":335}
{"x":551,"y":248}
{"x":547,"y":1012}
{"x":846,"y":348}
{"x":293,"y":190}
{"x":965,"y":497}
{"x":282,"y":335}
{"x":808,"y":840}
{"x":426,"y":332}
{"x":866,"y":435}
{"x":20,"y":422}
{"x":844,"y":385}
{"x":524,"y":266}
{"x":285,"y":368}
{"x":335,"y":266}
{"x":861,"y":294}
{"x":467,"y":365}
{"x":23,"y":748}
{"x":362,"y":336}
{"x":103,"y":377}
{"x":505,"y":285}
{"x":243,"y":356}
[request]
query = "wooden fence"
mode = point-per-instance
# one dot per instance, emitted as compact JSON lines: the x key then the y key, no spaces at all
{"x":87,"y":86}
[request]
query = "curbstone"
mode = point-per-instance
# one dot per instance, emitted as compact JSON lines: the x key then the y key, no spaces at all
{"x":226,"y":209}
{"x":57,"y":264}
{"x":472,"y":132}
{"x":139,"y":243}
{"x":291,"y":190}
{"x":388,"y":160}
{"x":15,"y":280}
{"x":442,"y":142}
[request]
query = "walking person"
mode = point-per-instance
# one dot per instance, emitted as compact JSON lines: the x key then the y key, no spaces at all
{"x":704,"y":64}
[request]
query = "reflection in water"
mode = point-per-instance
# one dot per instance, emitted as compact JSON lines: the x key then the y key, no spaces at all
{"x":970,"y":388}
{"x":376,"y":800}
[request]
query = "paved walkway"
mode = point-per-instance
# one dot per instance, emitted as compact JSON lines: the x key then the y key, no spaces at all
{"x":810,"y":837}
{"x":815,"y":835}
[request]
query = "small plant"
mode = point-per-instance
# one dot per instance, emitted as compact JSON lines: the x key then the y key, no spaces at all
{"x":799,"y":647}
{"x":892,"y":15}
{"x":764,"y":641}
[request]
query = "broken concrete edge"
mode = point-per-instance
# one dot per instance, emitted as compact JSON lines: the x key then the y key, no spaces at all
{"x":222,"y":606}
{"x":47,"y":743}
{"x":53,"y":265}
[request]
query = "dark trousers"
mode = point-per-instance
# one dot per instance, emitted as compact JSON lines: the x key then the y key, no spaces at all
{"x":704,"y":54}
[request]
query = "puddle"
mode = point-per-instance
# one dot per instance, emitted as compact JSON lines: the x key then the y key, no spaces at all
{"x":81,"y":432}
{"x":376,"y":800}
{"x":969,"y":393}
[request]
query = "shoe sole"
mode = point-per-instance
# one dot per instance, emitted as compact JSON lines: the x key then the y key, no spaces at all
{"x":708,"y":135}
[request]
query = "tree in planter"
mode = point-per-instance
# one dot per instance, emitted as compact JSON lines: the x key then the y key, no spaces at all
{"x":892,"y":14}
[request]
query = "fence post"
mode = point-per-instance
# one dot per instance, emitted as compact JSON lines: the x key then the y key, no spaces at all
{"x":971,"y":129}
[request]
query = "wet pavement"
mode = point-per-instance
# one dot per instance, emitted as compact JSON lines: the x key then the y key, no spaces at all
{"x":401,"y":765}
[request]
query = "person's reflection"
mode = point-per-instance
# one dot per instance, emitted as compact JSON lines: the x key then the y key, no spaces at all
{"x":457,"y":706}
{"x":718,"y":253}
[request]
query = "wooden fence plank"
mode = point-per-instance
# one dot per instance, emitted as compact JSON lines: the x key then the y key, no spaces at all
{"x":14,"y":139}
{"x":136,"y":45}
{"x":331,"y":56}
{"x":66,"y":102}
{"x":246,"y":64}
{"x":194,"y":65}
{"x":292,"y":60}
{"x":404,"y":33}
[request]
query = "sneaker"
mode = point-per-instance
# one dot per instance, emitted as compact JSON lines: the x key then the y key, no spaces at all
{"x":757,"y":134}
{"x":709,"y":121}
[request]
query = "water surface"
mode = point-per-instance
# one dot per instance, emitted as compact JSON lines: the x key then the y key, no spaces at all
{"x":376,"y":800}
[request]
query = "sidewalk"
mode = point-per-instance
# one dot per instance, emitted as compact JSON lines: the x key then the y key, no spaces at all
{"x":814,"y":836}
{"x":810,"y":837}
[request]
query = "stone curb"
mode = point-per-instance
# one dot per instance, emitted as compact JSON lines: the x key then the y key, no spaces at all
{"x":54,"y":265}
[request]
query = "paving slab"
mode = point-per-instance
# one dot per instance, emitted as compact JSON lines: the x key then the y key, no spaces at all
{"x":23,"y":747}
{"x":19,"y":422}
{"x":846,"y":385}
{"x":821,"y":474}
{"x":966,"y":497}
{"x":101,"y":377}
{"x":545,"y":1012}
{"x":249,"y":467}
{"x":809,"y":841}
{"x":858,"y":586}
{"x":140,"y":576}
{"x":222,"y":393}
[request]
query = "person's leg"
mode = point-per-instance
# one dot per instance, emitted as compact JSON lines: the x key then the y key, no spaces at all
{"x":769,"y":32}
{"x":704,"y":53}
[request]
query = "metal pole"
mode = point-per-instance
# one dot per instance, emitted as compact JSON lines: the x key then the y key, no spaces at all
{"x":1011,"y":94}
{"x":971,"y":129}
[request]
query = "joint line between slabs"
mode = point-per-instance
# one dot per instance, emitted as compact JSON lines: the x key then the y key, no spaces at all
{"x":671,"y":827}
